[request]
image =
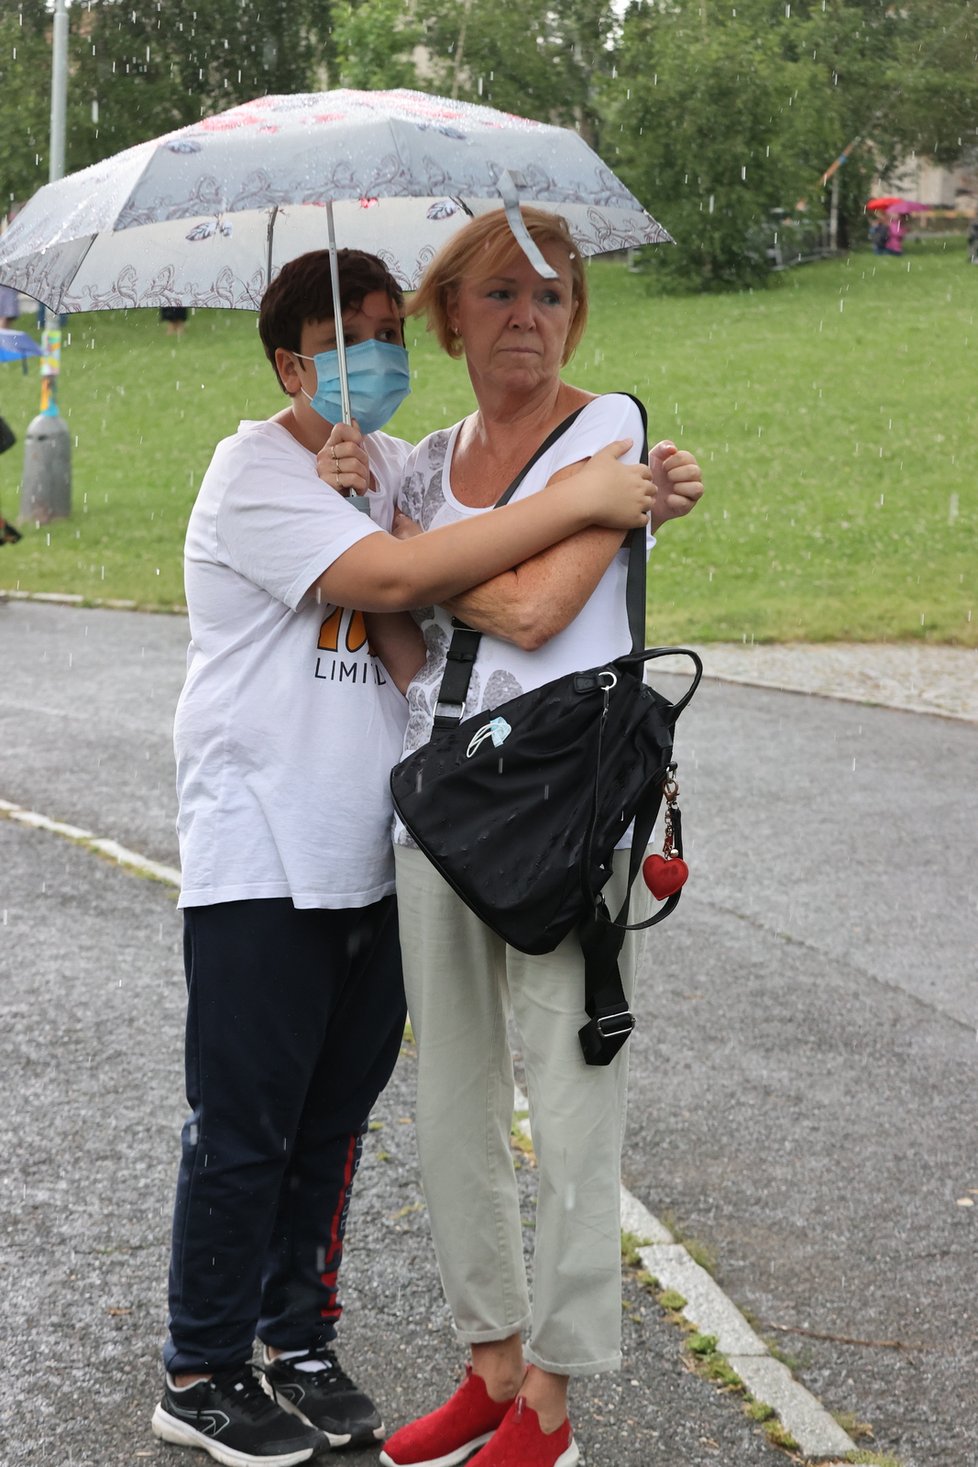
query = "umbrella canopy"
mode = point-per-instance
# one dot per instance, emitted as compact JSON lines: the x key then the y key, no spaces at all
{"x":17,"y":346}
{"x":891,"y":204}
{"x":205,"y":216}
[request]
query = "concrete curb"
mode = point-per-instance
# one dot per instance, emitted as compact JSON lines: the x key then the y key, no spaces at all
{"x":778,"y":685}
{"x":100,"y":603}
{"x":817,"y":1433}
{"x":102,"y":845}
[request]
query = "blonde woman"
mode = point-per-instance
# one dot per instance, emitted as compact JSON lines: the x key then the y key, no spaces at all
{"x":562,"y":610}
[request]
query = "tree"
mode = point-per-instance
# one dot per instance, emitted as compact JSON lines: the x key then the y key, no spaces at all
{"x":25,"y":108}
{"x":887,"y":82}
{"x":721,"y":120}
{"x":532,"y":57}
{"x":139,"y":68}
{"x":706,"y":137}
{"x":374,"y":42}
{"x":154,"y":65}
{"x":931,"y":102}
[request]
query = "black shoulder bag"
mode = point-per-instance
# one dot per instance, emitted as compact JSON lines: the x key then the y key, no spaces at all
{"x":521,"y":806}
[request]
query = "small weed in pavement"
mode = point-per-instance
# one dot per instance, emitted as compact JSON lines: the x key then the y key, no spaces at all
{"x":873,"y":1459}
{"x":852,"y":1426}
{"x":630,"y":1244}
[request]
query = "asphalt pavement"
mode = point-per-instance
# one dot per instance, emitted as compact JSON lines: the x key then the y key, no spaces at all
{"x":802,"y":1095}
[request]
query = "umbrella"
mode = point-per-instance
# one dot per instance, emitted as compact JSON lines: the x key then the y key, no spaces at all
{"x":206,"y":215}
{"x":890,"y":204}
{"x":17,"y":346}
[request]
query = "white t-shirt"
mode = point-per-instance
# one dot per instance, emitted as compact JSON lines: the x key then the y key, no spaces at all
{"x":502,"y":671}
{"x":287,"y":726}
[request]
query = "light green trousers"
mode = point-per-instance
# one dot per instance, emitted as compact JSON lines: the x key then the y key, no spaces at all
{"x":462,"y":984}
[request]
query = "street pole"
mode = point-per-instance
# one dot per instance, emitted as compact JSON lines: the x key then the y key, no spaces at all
{"x":59,"y":90}
{"x":45,"y":491}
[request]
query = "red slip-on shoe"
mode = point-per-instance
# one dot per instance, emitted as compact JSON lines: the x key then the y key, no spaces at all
{"x":453,"y":1432}
{"x":520,"y":1442}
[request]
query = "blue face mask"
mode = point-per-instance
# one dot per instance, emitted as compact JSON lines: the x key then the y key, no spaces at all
{"x":379,"y":381}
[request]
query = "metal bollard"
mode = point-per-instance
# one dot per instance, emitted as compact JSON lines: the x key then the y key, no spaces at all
{"x":45,"y":490}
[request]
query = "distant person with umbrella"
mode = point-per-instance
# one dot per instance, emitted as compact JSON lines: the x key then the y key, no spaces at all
{"x":9,"y":534}
{"x":879,"y":234}
{"x":15,"y":346}
{"x":285,"y":734}
{"x":895,"y":231}
{"x":891,"y":212}
{"x":9,"y":307}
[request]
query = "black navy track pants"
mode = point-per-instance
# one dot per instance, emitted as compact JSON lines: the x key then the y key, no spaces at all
{"x":294,"y":1023}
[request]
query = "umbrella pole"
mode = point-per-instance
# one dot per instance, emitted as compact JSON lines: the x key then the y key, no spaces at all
{"x":268,"y":245}
{"x":334,"y":275}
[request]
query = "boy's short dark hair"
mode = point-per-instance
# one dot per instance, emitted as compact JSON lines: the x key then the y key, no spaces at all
{"x":302,"y":291}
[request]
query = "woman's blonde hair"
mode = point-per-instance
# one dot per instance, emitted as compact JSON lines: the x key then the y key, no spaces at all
{"x":482,"y":248}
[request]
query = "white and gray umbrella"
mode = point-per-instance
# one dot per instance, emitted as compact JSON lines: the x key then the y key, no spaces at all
{"x":207,"y":215}
{"x":191,"y":218}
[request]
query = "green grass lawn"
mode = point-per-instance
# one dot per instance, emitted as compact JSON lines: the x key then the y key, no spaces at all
{"x":834,"y":416}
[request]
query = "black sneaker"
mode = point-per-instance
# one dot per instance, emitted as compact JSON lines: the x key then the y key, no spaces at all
{"x":230,"y":1417}
{"x":325,"y":1398}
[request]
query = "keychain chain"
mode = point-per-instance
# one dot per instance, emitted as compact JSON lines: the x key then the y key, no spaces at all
{"x":670,"y":793}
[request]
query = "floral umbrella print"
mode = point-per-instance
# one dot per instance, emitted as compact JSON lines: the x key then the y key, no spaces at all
{"x":206,"y":215}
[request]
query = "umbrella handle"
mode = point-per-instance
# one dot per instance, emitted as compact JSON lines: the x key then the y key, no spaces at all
{"x":334,"y":276}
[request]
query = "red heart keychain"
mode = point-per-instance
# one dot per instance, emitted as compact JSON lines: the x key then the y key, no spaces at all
{"x":664,"y":877}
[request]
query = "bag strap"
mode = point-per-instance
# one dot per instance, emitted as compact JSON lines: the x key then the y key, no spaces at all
{"x":647,"y":809}
{"x":464,"y":646}
{"x":610,"y":1020}
{"x":552,"y":437}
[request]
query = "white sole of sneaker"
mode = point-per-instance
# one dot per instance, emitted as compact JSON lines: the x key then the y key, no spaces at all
{"x":180,"y":1434}
{"x":452,"y":1459}
{"x":335,"y":1439}
{"x":569,"y":1457}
